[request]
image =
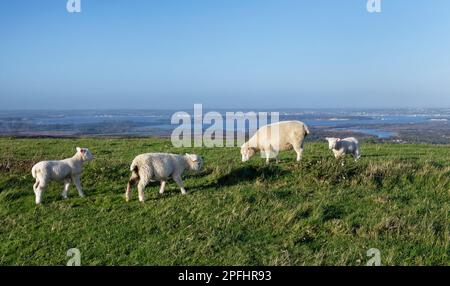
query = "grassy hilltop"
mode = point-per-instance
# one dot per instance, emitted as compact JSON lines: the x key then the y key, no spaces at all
{"x":317,"y":212}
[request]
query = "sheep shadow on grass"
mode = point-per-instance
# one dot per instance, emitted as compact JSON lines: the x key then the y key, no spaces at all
{"x":245,"y":174}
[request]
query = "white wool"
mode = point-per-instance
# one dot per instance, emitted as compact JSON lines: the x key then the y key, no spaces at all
{"x":153,"y":167}
{"x":276,"y":137}
{"x":341,"y":147}
{"x":67,"y":170}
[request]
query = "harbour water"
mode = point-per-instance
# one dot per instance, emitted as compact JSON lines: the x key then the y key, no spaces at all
{"x":377,"y":123}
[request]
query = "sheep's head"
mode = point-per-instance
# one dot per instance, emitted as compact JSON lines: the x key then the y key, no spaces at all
{"x":196,"y":162}
{"x":332,"y":142}
{"x":247,"y":152}
{"x":85,"y":154}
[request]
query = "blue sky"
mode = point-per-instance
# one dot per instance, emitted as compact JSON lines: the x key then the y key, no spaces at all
{"x":224,"y":53}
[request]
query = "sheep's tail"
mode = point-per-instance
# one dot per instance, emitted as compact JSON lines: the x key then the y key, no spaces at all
{"x":133,"y":166}
{"x":33,"y":172}
{"x":306,"y":129}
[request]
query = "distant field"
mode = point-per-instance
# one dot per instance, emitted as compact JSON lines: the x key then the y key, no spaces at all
{"x":317,"y":212}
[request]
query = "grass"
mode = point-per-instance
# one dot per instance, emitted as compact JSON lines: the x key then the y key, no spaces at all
{"x":317,"y":212}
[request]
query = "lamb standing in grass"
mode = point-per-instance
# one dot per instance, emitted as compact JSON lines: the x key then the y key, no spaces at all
{"x":67,"y":170}
{"x":341,"y":147}
{"x":272,"y":138}
{"x":153,"y":167}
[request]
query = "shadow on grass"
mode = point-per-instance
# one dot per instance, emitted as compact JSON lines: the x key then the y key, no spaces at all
{"x":251,"y":173}
{"x":244,"y":174}
{"x":203,"y":173}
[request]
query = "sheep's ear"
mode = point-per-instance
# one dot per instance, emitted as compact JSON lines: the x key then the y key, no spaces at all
{"x":78,"y":149}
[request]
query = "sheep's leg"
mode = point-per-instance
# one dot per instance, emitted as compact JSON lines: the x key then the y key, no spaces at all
{"x":357,"y":155}
{"x":180,"y":183}
{"x":36,"y":185}
{"x":77,"y":183}
{"x":38,"y":192}
{"x":66,"y":189}
{"x":267,"y":154}
{"x":299,"y":150}
{"x":275,"y":154}
{"x":128,"y":193}
{"x":336,"y":154}
{"x":133,"y":179}
{"x":163,"y":185}
{"x":38,"y":195}
{"x":141,"y":188}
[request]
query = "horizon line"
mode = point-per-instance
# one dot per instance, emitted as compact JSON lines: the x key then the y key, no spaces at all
{"x":219,"y":108}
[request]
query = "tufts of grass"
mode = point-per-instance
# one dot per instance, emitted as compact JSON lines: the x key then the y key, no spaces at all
{"x":316,"y":212}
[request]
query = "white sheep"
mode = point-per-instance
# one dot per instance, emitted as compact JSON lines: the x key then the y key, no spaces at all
{"x":153,"y":167}
{"x":272,"y":138}
{"x":341,"y":147}
{"x":67,"y":170}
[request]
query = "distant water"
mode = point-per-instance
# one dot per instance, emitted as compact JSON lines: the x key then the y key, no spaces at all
{"x":376,"y":123}
{"x":374,"y":132}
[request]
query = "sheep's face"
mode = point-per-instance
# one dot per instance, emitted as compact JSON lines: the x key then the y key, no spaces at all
{"x":332,"y":142}
{"x":85,"y":154}
{"x":196,"y":162}
{"x":246,"y":152}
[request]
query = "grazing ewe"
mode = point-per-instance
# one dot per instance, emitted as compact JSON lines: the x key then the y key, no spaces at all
{"x":153,"y":167}
{"x":272,"y":138}
{"x":67,"y":170}
{"x":341,"y":147}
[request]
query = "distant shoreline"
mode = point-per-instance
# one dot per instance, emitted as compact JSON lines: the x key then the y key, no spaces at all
{"x":381,"y":125}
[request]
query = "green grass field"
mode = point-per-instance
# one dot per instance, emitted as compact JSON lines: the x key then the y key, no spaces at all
{"x":317,"y":212}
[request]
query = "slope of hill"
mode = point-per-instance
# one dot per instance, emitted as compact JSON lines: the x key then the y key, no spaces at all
{"x":317,"y":212}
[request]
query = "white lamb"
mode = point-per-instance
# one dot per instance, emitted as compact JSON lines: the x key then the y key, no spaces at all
{"x":341,"y":147}
{"x":272,"y":138}
{"x":67,"y":170}
{"x":153,"y":167}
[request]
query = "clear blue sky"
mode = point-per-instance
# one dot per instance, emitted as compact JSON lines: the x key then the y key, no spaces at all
{"x":224,"y":53}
